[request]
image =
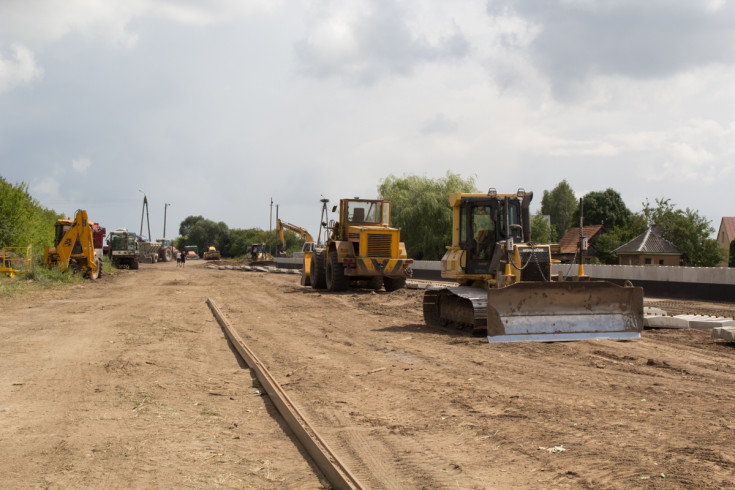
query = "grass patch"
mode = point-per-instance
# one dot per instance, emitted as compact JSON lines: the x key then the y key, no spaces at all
{"x":41,"y":277}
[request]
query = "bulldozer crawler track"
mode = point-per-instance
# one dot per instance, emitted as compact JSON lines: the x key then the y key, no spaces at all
{"x":322,"y":455}
{"x":456,"y":307}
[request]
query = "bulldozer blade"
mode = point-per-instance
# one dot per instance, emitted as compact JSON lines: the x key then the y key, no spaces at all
{"x":564,"y":311}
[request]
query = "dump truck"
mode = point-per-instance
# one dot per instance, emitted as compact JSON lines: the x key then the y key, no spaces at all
{"x":506,"y":286}
{"x":361,"y":246}
{"x":211,"y":254}
{"x":74,"y":246}
{"x":124,"y":249}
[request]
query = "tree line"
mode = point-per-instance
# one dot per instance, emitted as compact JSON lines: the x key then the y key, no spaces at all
{"x":23,"y":221}
{"x":420,"y":208}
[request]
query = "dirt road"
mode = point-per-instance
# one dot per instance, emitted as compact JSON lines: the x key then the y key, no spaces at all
{"x":129,"y":382}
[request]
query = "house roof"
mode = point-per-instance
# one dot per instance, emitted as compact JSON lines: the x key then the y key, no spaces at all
{"x":728,"y":223}
{"x":648,"y":242}
{"x":568,"y":243}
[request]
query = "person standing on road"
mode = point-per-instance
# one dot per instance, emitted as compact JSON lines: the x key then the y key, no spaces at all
{"x":178,"y":258}
{"x":183,"y":258}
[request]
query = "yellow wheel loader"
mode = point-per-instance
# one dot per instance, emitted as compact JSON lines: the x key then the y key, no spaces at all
{"x":361,"y":246}
{"x":506,"y":286}
{"x":75,"y":247}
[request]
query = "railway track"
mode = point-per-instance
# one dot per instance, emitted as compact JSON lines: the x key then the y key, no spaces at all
{"x":321,"y":454}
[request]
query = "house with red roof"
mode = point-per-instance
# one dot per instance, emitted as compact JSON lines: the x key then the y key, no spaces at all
{"x":725,"y":236}
{"x":569,"y":243}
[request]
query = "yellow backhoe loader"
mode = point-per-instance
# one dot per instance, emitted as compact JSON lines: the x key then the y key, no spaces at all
{"x":75,"y":247}
{"x":506,"y":286}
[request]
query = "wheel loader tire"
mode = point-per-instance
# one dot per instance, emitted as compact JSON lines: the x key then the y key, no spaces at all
{"x":318,"y":276}
{"x":394,"y":283}
{"x":336,"y":279}
{"x":167,"y":255}
{"x":134,"y":265}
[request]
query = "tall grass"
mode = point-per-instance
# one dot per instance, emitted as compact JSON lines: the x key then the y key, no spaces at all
{"x":41,"y":277}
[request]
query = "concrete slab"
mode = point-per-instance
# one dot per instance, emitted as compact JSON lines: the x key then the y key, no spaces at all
{"x":704,"y":322}
{"x":724,"y":333}
{"x":652,"y":310}
{"x":659,"y":321}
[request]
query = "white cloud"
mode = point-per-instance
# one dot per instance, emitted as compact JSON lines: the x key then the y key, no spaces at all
{"x":367,"y":40}
{"x":81,"y":164}
{"x":46,"y":189}
{"x":19,"y":69}
{"x":41,"y":22}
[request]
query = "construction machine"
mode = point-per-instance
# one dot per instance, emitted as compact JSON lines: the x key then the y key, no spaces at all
{"x":211,"y":254}
{"x":124,"y":248}
{"x":506,"y":286}
{"x":361,"y":246}
{"x":167,"y":251}
{"x":74,"y":246}
{"x":191,"y":252}
{"x":280,"y":226}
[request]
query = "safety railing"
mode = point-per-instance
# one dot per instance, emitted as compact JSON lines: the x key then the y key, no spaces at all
{"x":16,"y":260}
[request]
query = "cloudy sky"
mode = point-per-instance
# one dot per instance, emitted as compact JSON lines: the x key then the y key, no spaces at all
{"x":219,"y":106}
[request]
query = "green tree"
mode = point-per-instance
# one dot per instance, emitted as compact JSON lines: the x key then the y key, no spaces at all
{"x":196,"y":230}
{"x":241,"y":241}
{"x":420,"y":208}
{"x":540,"y":229}
{"x":731,"y":261}
{"x":560,"y":204}
{"x":617,"y":236}
{"x":687,"y":230}
{"x":603,"y":208}
{"x":23,"y":221}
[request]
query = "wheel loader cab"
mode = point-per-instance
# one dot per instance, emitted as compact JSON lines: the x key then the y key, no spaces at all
{"x":367,"y":212}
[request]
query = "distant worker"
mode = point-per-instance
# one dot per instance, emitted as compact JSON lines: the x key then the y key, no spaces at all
{"x":178,"y":258}
{"x":183,"y":258}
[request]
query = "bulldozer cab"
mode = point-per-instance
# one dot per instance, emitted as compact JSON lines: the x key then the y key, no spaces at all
{"x":482,"y":228}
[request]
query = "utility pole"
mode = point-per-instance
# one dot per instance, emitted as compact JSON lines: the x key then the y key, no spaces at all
{"x":165,"y":207}
{"x":270,"y":229}
{"x":145,"y":213}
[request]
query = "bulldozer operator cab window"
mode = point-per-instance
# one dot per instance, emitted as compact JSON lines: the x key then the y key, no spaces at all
{"x":483,"y":232}
{"x":514,"y":216}
{"x":364,"y":212}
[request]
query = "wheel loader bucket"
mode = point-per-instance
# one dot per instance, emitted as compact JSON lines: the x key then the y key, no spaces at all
{"x":564,"y":311}
{"x":306,"y":271}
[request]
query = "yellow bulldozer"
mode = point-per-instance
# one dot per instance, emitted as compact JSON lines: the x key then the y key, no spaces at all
{"x":361,"y":246}
{"x":506,"y":285}
{"x":75,"y":246}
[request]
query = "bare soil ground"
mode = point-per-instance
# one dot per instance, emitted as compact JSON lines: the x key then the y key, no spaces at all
{"x":129,"y":382}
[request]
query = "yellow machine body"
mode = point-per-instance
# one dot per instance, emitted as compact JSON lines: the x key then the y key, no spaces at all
{"x":74,"y":246}
{"x":361,"y":246}
{"x":506,"y":284}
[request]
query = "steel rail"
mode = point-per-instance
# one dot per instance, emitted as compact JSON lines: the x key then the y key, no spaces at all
{"x":333,"y":469}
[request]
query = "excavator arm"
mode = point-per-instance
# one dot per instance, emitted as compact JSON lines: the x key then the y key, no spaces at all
{"x":280,"y":226}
